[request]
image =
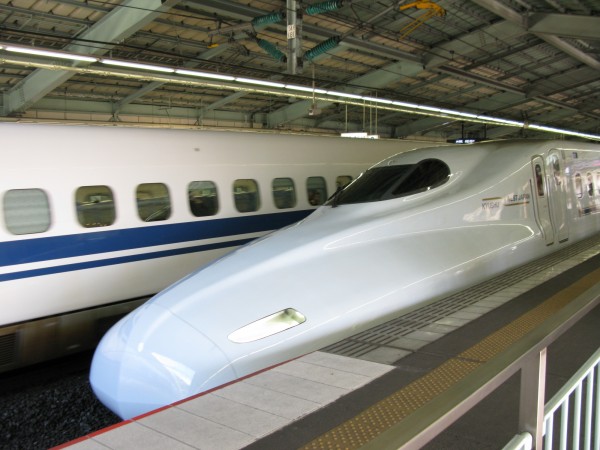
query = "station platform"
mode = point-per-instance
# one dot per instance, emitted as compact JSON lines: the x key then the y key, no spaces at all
{"x":345,"y":395}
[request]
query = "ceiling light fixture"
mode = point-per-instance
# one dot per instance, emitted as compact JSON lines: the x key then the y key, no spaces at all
{"x":404,"y":104}
{"x":458,"y":113}
{"x":325,"y":95}
{"x":194,"y":73}
{"x":499,"y":120}
{"x":134,"y":65}
{"x":345,"y":95}
{"x":295,"y":87}
{"x":561,"y":131}
{"x":378,"y":100}
{"x":48,"y":53}
{"x":259,"y":82}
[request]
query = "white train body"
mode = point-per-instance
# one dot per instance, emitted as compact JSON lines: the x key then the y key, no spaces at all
{"x":382,"y":247}
{"x":91,"y":217}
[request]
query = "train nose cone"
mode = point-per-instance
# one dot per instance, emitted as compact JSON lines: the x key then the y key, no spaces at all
{"x":152,"y":358}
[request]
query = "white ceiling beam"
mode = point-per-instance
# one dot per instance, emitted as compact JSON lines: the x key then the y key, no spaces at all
{"x":470,"y":43}
{"x":564,"y":25}
{"x":513,"y":16}
{"x":561,"y":81}
{"x":501,"y":10}
{"x":570,"y":50}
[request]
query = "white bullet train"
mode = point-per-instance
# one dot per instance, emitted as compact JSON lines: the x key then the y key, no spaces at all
{"x":95,"y":220}
{"x":410,"y":230}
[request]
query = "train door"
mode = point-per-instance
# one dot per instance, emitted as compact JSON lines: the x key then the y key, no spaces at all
{"x":557,"y":189}
{"x":542,"y":204}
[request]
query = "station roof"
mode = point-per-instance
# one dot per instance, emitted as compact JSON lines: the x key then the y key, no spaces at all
{"x":422,"y":69}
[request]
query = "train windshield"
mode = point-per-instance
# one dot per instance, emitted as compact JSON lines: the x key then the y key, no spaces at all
{"x":387,"y":182}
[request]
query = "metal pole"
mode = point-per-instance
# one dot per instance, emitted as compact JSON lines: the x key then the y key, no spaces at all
{"x":294,"y":37}
{"x":531,"y":409}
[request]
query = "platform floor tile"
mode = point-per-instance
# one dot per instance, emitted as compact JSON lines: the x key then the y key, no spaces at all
{"x":191,"y":429}
{"x":312,"y":391}
{"x":236,"y":416}
{"x":135,"y":435}
{"x":387,"y":355}
{"x":344,"y":364}
{"x":243,"y":412}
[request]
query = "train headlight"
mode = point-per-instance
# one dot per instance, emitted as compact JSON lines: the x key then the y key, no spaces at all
{"x":267,"y":326}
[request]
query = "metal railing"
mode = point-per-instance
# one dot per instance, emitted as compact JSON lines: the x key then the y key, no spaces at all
{"x":522,"y":441}
{"x":528,"y":355}
{"x":570,"y":432}
{"x":584,"y":410}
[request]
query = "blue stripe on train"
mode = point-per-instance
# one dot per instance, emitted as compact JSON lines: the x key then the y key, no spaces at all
{"x":119,"y":260}
{"x":82,"y":244}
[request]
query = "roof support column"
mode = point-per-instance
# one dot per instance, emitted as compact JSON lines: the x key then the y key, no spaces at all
{"x":294,"y":37}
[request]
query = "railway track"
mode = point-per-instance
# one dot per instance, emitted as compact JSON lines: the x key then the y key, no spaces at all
{"x":49,"y":404}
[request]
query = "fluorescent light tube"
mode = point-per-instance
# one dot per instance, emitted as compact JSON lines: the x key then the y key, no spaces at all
{"x":194,"y":73}
{"x":378,"y":100}
{"x":298,"y":88}
{"x":115,"y":62}
{"x":259,"y":82}
{"x":428,"y":108}
{"x":561,"y":131}
{"x":501,"y":121}
{"x":457,"y":113}
{"x":50,"y":53}
{"x":344,"y":94}
{"x":404,"y":104}
{"x":295,"y":87}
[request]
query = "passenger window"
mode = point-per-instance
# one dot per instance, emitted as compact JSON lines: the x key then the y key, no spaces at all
{"x":539,"y":180}
{"x":95,"y":206}
{"x":153,"y":202}
{"x":578,"y":186}
{"x":245,"y":195}
{"x":284,"y":193}
{"x":590,"y":185}
{"x":203,"y":198}
{"x":26,"y":211}
{"x":342,"y":181}
{"x":316,"y":190}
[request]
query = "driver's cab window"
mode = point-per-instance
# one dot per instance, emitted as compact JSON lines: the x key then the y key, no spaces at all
{"x":386,"y":182}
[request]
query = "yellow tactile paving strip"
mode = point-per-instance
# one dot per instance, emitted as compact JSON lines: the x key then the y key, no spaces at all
{"x":381,"y":416}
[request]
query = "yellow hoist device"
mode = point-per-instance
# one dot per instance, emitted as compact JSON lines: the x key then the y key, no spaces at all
{"x":433,"y":9}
